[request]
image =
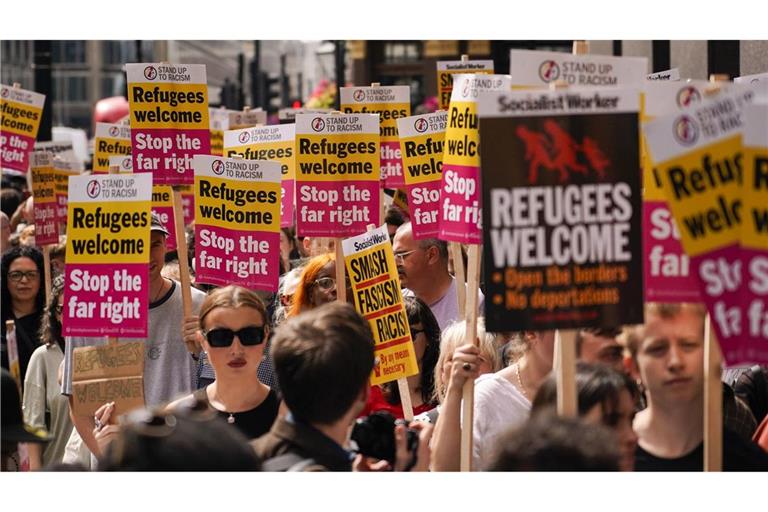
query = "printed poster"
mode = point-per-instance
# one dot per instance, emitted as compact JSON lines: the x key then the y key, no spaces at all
{"x":20,"y":113}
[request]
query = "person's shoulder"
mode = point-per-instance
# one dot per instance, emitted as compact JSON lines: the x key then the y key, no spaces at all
{"x":740,"y":454}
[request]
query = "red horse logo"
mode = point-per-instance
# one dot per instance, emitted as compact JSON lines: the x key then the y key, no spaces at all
{"x":557,"y":151}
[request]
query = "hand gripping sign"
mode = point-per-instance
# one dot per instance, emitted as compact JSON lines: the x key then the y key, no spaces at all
{"x":391,"y":103}
{"x":110,"y":140}
{"x":699,"y":162}
{"x":44,"y":193}
{"x":107,"y":269}
{"x":561,"y":215}
{"x":275,"y":143}
{"x":460,"y":218}
{"x":20,"y":113}
{"x":372,"y":272}
{"x":446,"y":69}
{"x":169,"y":119}
{"x":237,"y":222}
{"x":422,"y":140}
{"x":533,"y":67}
{"x":337,"y":180}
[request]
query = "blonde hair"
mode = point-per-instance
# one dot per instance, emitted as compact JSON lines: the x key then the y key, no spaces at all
{"x":232,"y":296}
{"x":452,"y":338}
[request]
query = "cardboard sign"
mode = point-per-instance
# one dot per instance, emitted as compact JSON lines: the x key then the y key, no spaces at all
{"x":533,"y":67}
{"x":111,"y":140}
{"x":162,"y":205}
{"x":446,"y":69}
{"x":670,"y":75}
{"x":62,"y":171}
{"x":246,"y":119}
{"x":698,"y":155}
{"x":237,"y":222}
{"x":63,"y":151}
{"x":562,"y":199}
{"x":124,"y":164}
{"x":107,"y":260}
{"x":44,"y":193}
{"x":20,"y":113}
{"x":422,"y":139}
{"x":371,"y":268}
{"x":275,"y":143}
{"x":288,"y":115}
{"x":108,"y":373}
{"x":754,"y":235}
{"x":169,"y":119}
{"x":219,"y":123}
{"x":460,"y":218}
{"x":337,"y":181}
{"x":391,"y":103}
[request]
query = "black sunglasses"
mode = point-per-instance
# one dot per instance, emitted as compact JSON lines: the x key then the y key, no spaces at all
{"x":223,"y":337}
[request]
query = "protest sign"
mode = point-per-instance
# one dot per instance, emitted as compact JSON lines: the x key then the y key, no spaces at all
{"x":337,"y":181}
{"x":275,"y":143}
{"x":44,"y":194}
{"x":219,"y":123}
{"x":107,"y":260}
{"x":751,"y":79}
{"x":162,"y":205}
{"x":20,"y":113}
{"x":246,"y":119}
{"x":422,"y":139}
{"x":533,"y":67}
{"x":446,"y":69}
{"x":562,"y":219}
{"x":63,"y":151}
{"x":670,"y":75}
{"x":237,"y":222}
{"x":169,"y":119}
{"x":288,"y":115}
{"x":124,"y":164}
{"x":391,"y":103}
{"x":698,"y":155}
{"x":370,"y":264}
{"x":754,"y":235}
{"x":62,"y":171}
{"x":108,"y":373}
{"x":460,"y":218}
{"x":111,"y":140}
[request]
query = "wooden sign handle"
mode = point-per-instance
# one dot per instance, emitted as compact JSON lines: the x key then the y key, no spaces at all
{"x":47,"y":271}
{"x":341,"y":286}
{"x":181,"y":250}
{"x":470,"y":336}
{"x":713,"y":401}
{"x":458,"y":270}
{"x":113,"y":169}
{"x":565,"y":346}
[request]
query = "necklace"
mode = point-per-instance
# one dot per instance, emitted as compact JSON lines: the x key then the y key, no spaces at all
{"x":231,"y":418}
{"x":520,"y":381}
{"x":160,"y":293}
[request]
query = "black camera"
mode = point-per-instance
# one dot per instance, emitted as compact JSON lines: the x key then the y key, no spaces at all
{"x":375,"y":437}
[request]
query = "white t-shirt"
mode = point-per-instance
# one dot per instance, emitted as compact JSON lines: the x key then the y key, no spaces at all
{"x":446,"y":308}
{"x":499,"y":407}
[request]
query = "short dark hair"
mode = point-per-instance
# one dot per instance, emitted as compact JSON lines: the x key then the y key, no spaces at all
{"x":548,"y":442}
{"x":394,"y":216}
{"x":442,"y":246}
{"x":600,"y":332}
{"x":323,"y":358}
{"x":10,"y":199}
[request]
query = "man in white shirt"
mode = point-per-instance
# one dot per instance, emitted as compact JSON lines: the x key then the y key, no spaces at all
{"x":423,"y":269}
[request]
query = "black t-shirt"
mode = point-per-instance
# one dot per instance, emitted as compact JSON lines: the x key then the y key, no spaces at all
{"x":738,"y":455}
{"x":253,"y":423}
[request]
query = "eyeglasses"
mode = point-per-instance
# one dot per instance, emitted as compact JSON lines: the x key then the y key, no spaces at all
{"x":400,"y":256}
{"x":222,"y":337}
{"x":327,"y":284}
{"x":18,"y":275}
{"x":415,"y":332}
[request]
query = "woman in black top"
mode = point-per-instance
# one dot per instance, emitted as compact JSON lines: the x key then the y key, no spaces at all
{"x":234,"y":331}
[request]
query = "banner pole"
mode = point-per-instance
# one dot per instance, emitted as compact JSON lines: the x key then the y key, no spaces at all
{"x":468,"y":392}
{"x":47,"y":269}
{"x":713,"y":400}
{"x":341,"y":287}
{"x":181,"y":250}
{"x":459,"y":274}
{"x":566,"y":373}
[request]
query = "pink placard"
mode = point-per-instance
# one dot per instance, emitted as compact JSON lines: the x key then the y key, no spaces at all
{"x":287,"y":200}
{"x":167,"y":153}
{"x":46,"y":224}
{"x":392,"y":164}
{"x":755,"y":304}
{"x":15,"y":150}
{"x":336,"y":209}
{"x":424,"y":208}
{"x":460,"y":218}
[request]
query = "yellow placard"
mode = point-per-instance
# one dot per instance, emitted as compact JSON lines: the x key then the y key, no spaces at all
{"x":162,"y":196}
{"x":20,"y":119}
{"x":445,"y":83}
{"x":755,"y":198}
{"x":169,"y":105}
{"x":462,"y":135}
{"x":108,"y":231}
{"x":423,"y":158}
{"x":353,"y":157}
{"x":281,"y":152}
{"x":702,"y":189}
{"x":43,"y":185}
{"x":104,"y":148}
{"x":217,"y":142}
{"x":237,"y":205}
{"x":389,"y":113}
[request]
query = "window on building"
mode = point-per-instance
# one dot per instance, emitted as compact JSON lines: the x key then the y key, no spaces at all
{"x":401,"y":51}
{"x":68,"y":52}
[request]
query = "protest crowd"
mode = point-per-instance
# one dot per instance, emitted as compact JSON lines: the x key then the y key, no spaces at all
{"x":343,"y":293}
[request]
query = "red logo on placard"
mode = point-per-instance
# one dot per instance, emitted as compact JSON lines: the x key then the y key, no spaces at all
{"x":549,"y":71}
{"x":557,"y":151}
{"x":421,"y":125}
{"x":5,"y":93}
{"x":93,"y":189}
{"x":686,"y":131}
{"x":127,"y":163}
{"x":217,"y":167}
{"x":244,"y":137}
{"x":150,"y":73}
{"x":465,"y":89}
{"x":114,"y":131}
{"x":318,"y":124}
{"x":359,"y":95}
{"x":688,"y":95}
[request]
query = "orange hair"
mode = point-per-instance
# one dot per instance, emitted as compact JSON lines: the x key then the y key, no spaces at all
{"x":301,"y":299}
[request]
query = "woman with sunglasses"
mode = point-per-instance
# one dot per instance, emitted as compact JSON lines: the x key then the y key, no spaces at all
{"x":317,"y":285}
{"x":23,"y":301}
{"x":234,"y":330}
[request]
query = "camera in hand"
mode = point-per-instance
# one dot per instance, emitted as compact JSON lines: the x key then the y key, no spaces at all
{"x":375,"y":437}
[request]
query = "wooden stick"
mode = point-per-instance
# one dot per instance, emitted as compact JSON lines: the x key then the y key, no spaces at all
{"x":113,"y":169}
{"x":464,"y":57}
{"x":713,"y":401}
{"x":458,"y":270}
{"x":567,"y":405}
{"x":470,"y":336}
{"x":580,"y":47}
{"x":341,"y":286}
{"x":47,"y":269}
{"x":181,"y":250}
